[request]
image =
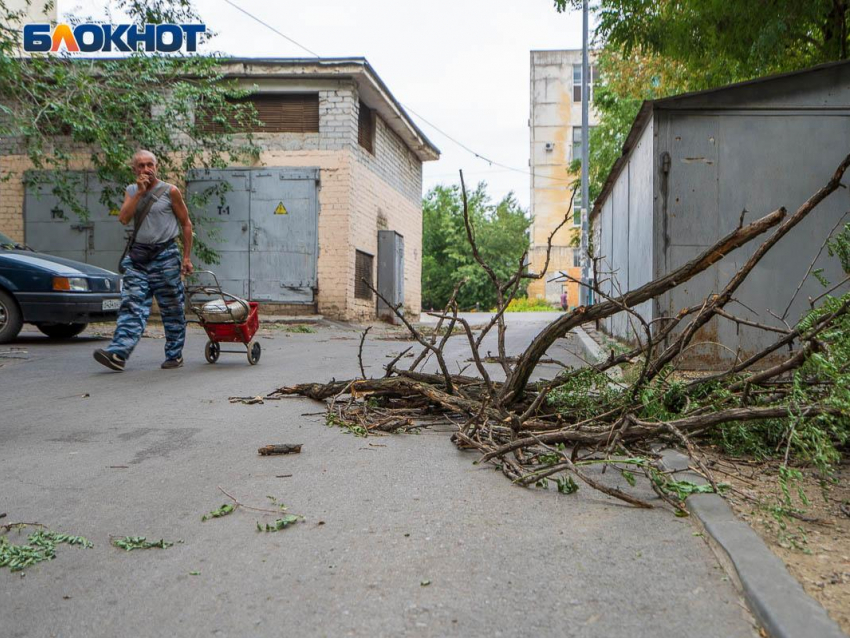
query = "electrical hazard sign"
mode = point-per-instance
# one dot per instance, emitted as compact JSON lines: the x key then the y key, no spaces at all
{"x":281,"y":209}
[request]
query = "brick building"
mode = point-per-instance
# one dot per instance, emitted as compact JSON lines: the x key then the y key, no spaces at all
{"x":341,"y":160}
{"x":555,"y":132}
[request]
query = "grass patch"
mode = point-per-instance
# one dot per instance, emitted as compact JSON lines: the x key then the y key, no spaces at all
{"x":299,"y":328}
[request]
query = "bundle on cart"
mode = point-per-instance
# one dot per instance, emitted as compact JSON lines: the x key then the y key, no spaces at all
{"x":226,"y":319}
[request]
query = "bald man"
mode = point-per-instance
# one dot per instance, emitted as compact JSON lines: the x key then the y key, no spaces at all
{"x":153,"y":268}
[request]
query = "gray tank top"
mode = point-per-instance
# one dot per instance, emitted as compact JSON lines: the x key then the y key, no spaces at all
{"x":161,"y":224}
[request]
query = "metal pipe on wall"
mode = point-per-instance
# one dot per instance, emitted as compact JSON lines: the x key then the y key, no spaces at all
{"x":584,"y":297}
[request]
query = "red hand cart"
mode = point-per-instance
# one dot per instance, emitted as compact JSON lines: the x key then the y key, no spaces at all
{"x":225,"y":318}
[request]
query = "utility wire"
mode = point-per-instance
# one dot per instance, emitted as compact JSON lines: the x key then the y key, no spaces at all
{"x":482,"y":157}
{"x":443,"y":133}
{"x":268,"y":26}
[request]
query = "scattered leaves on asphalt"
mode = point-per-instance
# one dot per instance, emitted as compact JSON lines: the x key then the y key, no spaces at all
{"x":279,"y":524}
{"x":40,"y":546}
{"x":224,"y":510}
{"x":129,"y":543}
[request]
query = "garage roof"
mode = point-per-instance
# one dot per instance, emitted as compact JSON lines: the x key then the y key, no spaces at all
{"x":724,"y":96}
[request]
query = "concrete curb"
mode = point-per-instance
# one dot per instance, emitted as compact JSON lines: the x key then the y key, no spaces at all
{"x":775,"y":597}
{"x":594,"y":353}
{"x":592,"y":350}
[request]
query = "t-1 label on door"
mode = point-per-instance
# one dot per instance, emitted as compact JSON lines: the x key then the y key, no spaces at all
{"x":281,"y":209}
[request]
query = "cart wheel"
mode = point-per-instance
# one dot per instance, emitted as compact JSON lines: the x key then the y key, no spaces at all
{"x":254,"y":352}
{"x":211,"y":351}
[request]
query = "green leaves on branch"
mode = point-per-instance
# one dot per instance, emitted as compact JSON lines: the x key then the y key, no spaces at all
{"x":279,"y":524}
{"x":129,"y":543}
{"x":40,"y":547}
{"x":335,"y":420}
{"x":566,"y":484}
{"x":60,"y":111}
{"x":224,"y":510}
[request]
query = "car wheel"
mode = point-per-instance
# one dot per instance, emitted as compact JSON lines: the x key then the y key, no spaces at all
{"x":61,"y":330}
{"x":11,"y":319}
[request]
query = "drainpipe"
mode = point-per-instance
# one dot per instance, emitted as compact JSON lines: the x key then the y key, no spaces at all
{"x":584,"y":297}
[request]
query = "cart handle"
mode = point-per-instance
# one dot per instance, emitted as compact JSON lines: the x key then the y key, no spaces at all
{"x":209,"y":272}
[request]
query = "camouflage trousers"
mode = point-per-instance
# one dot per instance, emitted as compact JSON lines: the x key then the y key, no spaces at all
{"x":161,"y":279}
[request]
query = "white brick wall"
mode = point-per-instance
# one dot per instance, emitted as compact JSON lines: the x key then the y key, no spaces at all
{"x":376,"y":205}
{"x":393,"y":161}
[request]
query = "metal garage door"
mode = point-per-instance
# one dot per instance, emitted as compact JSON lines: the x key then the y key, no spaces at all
{"x":52,"y":227}
{"x":265,"y":228}
{"x":49,"y":225}
{"x":223,"y":224}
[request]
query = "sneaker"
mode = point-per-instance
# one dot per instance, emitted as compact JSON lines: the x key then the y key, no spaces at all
{"x":109,"y":359}
{"x":169,"y":364}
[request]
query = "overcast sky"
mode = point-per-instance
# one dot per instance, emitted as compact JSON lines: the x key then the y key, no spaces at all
{"x":463,"y":65}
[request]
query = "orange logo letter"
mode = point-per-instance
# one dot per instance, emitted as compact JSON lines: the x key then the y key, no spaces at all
{"x":63,"y":33}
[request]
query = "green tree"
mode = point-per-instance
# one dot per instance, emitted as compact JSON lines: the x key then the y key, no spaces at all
{"x":722,"y":41}
{"x":501,"y":234}
{"x":57,"y":109}
{"x":654,"y":48}
{"x":625,"y":82}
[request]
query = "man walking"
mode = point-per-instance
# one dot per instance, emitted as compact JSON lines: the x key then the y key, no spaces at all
{"x":153,"y":267}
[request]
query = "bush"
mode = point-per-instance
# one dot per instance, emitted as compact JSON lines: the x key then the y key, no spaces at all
{"x":525,"y":304}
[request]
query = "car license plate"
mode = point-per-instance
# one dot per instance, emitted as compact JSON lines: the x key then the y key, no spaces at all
{"x":111,"y":304}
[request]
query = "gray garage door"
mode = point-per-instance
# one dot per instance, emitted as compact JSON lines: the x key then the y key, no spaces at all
{"x":52,"y":227}
{"x":265,"y":229}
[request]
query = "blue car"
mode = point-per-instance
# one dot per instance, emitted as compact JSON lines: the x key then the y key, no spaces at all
{"x":60,"y":296}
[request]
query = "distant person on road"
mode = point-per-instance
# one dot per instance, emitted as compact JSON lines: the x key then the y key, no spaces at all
{"x":153,"y":267}
{"x":564,"y":300}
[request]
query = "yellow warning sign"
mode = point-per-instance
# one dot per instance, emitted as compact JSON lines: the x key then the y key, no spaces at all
{"x":114,"y":212}
{"x":281,"y":209}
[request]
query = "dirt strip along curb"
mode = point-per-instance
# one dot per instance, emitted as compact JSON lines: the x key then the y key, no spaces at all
{"x":775,"y":597}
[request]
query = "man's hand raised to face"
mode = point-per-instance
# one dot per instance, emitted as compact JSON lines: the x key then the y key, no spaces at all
{"x":143,"y":182}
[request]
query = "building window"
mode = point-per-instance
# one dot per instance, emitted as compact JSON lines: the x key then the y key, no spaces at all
{"x":366,"y":128}
{"x":577,"y":82}
{"x":277,"y":112}
{"x":577,"y":149}
{"x":577,"y":208}
{"x":576,"y":143}
{"x":363,"y":270}
{"x":576,"y":258}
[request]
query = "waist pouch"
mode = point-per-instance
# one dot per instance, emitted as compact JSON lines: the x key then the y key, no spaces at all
{"x":143,"y":254}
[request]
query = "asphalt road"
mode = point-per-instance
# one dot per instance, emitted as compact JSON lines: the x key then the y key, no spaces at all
{"x":403,"y":535}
